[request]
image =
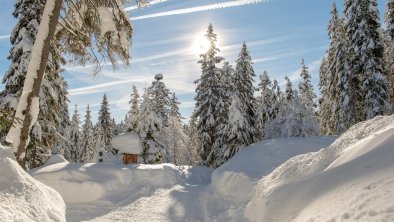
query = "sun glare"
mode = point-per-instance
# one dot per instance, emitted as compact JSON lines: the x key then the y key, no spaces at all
{"x":200,"y":44}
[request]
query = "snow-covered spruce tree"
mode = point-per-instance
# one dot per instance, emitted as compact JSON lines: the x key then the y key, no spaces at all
{"x":389,"y":51}
{"x":53,"y":106}
{"x":243,"y":84}
{"x":277,"y":100}
{"x":99,"y":144}
{"x":161,"y":95}
{"x":109,"y":37}
{"x":107,"y":125}
{"x":264,"y":102}
{"x":207,"y":98}
{"x":289,"y":94}
{"x":148,"y":128}
{"x":243,"y":127}
{"x":310,"y":125}
{"x":363,"y":26}
{"x":87,"y":141}
{"x":74,"y":149}
{"x":193,"y":142}
{"x":325,"y":108}
{"x":176,"y":139}
{"x":132,"y":115}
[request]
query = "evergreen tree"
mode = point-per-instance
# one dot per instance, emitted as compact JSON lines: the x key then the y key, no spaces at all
{"x":75,"y":151}
{"x":366,"y":48}
{"x":289,"y":95}
{"x":207,"y":98}
{"x":265,"y":101}
{"x":148,"y":128}
{"x":193,"y":142}
{"x":53,"y":106}
{"x":305,"y":87}
{"x":99,"y":144}
{"x":132,"y":115}
{"x":107,"y":125}
{"x":325,"y":109}
{"x":243,"y":84}
{"x":161,"y":95}
{"x":389,"y":51}
{"x":276,"y":101}
{"x":87,"y":142}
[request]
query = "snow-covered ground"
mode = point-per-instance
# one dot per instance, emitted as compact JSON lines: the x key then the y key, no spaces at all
{"x":351,"y":179}
{"x":22,"y":198}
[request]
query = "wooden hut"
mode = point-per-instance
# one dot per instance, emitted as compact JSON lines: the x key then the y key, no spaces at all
{"x":129,"y":145}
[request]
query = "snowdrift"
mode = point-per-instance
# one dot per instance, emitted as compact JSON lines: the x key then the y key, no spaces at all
{"x":113,"y":181}
{"x":352,"y":180}
{"x":22,"y":198}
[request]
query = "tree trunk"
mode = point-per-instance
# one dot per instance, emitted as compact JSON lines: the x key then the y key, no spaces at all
{"x":28,"y":107}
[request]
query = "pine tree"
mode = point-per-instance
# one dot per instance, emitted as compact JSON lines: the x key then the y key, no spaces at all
{"x":289,"y":95}
{"x":161,"y":95}
{"x":243,"y":84}
{"x":207,"y":97}
{"x":325,"y":108}
{"x":132,"y":115}
{"x":107,"y":125}
{"x":74,"y":150}
{"x":265,"y":101}
{"x":367,"y":55}
{"x":53,"y":106}
{"x":305,"y":87}
{"x":277,"y":99}
{"x":389,"y":51}
{"x":148,"y":128}
{"x":87,"y":141}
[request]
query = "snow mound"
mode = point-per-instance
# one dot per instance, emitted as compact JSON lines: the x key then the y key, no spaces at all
{"x":113,"y":181}
{"x":352,"y":180}
{"x":237,"y":177}
{"x":55,"y":159}
{"x":22,"y":198}
{"x":127,"y":143}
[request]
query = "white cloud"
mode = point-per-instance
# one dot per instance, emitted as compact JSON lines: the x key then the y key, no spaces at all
{"x":201,"y":8}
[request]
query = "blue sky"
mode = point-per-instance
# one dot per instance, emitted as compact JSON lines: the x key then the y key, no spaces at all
{"x":278,"y":33}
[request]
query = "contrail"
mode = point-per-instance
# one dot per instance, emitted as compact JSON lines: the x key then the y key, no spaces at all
{"x":201,"y":8}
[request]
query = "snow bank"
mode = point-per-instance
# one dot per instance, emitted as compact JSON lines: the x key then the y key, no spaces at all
{"x":55,"y":159}
{"x":22,"y":198}
{"x":78,"y":183}
{"x":237,"y":177}
{"x":351,"y":180}
{"x":127,"y":143}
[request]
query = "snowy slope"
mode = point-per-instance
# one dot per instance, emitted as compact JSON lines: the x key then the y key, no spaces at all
{"x":23,"y":198}
{"x":351,"y":180}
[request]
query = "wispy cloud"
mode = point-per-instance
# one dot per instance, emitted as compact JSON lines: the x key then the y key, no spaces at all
{"x":201,"y":8}
{"x":4,"y":37}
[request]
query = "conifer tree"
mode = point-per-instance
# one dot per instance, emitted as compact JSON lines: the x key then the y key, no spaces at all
{"x":325,"y":109}
{"x":53,"y":111}
{"x":243,"y":84}
{"x":305,"y":87}
{"x":75,"y":151}
{"x":87,"y":141}
{"x":389,"y":51}
{"x":207,"y":98}
{"x":107,"y":125}
{"x":132,"y":115}
{"x":366,"y":60}
{"x":289,"y":95}
{"x":161,"y":95}
{"x":265,"y":101}
{"x":148,"y":128}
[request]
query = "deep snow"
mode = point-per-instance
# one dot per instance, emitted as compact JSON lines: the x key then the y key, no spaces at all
{"x":23,"y":198}
{"x":352,"y":179}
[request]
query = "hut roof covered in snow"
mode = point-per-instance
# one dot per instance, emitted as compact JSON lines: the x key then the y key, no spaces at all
{"x":127,"y":143}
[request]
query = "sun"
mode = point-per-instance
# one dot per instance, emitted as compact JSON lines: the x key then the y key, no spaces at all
{"x":200,"y":44}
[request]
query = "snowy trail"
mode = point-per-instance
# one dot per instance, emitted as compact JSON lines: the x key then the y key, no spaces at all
{"x":178,"y":203}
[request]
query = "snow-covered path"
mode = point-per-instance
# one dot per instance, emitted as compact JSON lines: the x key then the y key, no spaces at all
{"x":177,"y":203}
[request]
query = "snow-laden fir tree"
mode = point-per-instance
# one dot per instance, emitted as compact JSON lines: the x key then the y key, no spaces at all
{"x":325,"y":108}
{"x":87,"y":139}
{"x":207,"y":97}
{"x":53,"y":113}
{"x":148,"y":128}
{"x":277,"y":99}
{"x":107,"y":125}
{"x":176,"y":138}
{"x":264,"y":102}
{"x":389,"y":51}
{"x":305,"y":87}
{"x":161,"y":95}
{"x":289,"y":94}
{"x":366,"y":60}
{"x":132,"y":115}
{"x":243,"y":84}
{"x":74,"y":149}
{"x":99,"y":144}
